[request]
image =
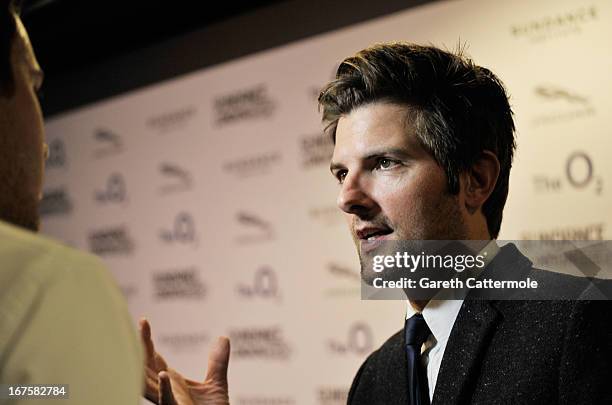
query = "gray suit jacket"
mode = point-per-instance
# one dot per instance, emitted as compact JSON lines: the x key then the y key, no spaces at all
{"x":507,"y":352}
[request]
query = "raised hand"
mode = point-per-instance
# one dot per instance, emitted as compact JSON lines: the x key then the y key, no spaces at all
{"x":166,"y":386}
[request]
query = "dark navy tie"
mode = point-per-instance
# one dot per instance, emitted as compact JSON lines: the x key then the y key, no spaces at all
{"x":417,"y":333}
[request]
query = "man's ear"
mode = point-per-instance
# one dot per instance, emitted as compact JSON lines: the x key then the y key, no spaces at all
{"x":480,"y":180}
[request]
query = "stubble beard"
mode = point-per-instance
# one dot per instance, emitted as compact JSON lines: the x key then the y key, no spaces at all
{"x":440,"y":221}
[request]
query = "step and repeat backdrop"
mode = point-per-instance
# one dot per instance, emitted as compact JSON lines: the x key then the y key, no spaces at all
{"x":210,"y":198}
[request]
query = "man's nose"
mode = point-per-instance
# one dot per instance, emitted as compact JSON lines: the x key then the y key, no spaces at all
{"x":355,"y":198}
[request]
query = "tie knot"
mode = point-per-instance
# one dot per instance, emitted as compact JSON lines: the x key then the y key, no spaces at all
{"x":417,"y":330}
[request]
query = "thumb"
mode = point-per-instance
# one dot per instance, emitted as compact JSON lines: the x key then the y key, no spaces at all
{"x":218,"y":361}
{"x":165,"y":390}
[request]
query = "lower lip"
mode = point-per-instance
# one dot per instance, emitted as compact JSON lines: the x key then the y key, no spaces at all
{"x":368,"y":246}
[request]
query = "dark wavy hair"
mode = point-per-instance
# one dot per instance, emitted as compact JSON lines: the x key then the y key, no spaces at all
{"x":8,"y":10}
{"x":458,"y":109}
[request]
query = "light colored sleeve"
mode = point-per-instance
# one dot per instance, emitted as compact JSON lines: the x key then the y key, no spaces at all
{"x":77,"y":332}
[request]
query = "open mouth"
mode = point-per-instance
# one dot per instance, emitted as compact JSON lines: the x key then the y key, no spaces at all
{"x":371,"y":237}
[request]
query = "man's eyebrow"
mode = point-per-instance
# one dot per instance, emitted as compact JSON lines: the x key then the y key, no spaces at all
{"x":335,"y":166}
{"x":398,"y":152}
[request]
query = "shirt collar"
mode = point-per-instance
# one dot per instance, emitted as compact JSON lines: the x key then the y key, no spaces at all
{"x":440,"y":315}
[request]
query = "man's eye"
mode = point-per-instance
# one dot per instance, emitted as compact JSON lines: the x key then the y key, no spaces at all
{"x":385,"y":163}
{"x":341,"y":175}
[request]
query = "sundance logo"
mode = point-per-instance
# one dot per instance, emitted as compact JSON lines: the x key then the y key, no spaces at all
{"x":259,"y":343}
{"x":359,"y":341}
{"x":243,"y":105}
{"x":253,"y":165}
{"x":107,"y":143}
{"x":110,"y":241}
{"x":183,"y":231}
{"x":332,"y":396}
{"x":177,"y":284}
{"x":55,"y":202}
{"x":557,"y":25}
{"x":57,"y":154}
{"x":171,"y":120}
{"x":176,"y":178}
{"x":317,"y":150}
{"x":253,"y":228}
{"x":184,"y":341}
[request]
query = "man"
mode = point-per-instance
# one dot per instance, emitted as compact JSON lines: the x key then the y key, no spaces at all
{"x":63,"y":319}
{"x":424,"y":141}
{"x":424,"y":145}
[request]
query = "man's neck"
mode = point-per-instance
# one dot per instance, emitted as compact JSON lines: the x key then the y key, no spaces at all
{"x":489,"y":250}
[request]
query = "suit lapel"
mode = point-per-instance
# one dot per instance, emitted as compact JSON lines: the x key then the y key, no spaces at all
{"x":466,"y":345}
{"x":474,"y":327}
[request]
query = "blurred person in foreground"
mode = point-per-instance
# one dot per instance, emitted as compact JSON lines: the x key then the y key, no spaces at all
{"x":423,"y":146}
{"x":62,"y":318}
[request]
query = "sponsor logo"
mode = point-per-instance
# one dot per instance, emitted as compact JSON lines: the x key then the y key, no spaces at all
{"x":184,"y":341}
{"x":107,"y":143}
{"x":316,"y":150}
{"x":110,"y":241}
{"x":183,"y":231}
{"x":328,"y":215}
{"x":359,"y":341}
{"x":265,"y":400}
{"x":254,"y":102}
{"x":57,"y":154}
{"x":178,"y":283}
{"x":253,"y":228}
{"x":579,"y":175}
{"x":171,"y":120}
{"x":55,"y":202}
{"x":114,"y":192}
{"x":259,"y":343}
{"x":332,"y":396}
{"x":558,"y":25}
{"x":561,"y":106}
{"x":347,"y":281}
{"x":264,"y":285}
{"x":177,"y":179}
{"x":253,"y":165}
{"x":581,"y":232}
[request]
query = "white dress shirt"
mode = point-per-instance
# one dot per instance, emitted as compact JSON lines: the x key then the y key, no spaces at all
{"x":440,"y":316}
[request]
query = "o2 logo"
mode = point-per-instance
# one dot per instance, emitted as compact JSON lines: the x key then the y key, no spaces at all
{"x":359,"y":341}
{"x":264,"y":285}
{"x":182,"y":231}
{"x":579,"y":175}
{"x":579,"y":172}
{"x":114,"y":192}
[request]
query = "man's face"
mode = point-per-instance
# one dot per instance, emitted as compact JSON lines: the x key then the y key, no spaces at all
{"x":22,"y":146}
{"x":391,"y":188}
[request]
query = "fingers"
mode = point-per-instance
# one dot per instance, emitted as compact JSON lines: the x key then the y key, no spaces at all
{"x":151,"y":388}
{"x":147,"y":342}
{"x":165,"y":390}
{"x":218,"y":361}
